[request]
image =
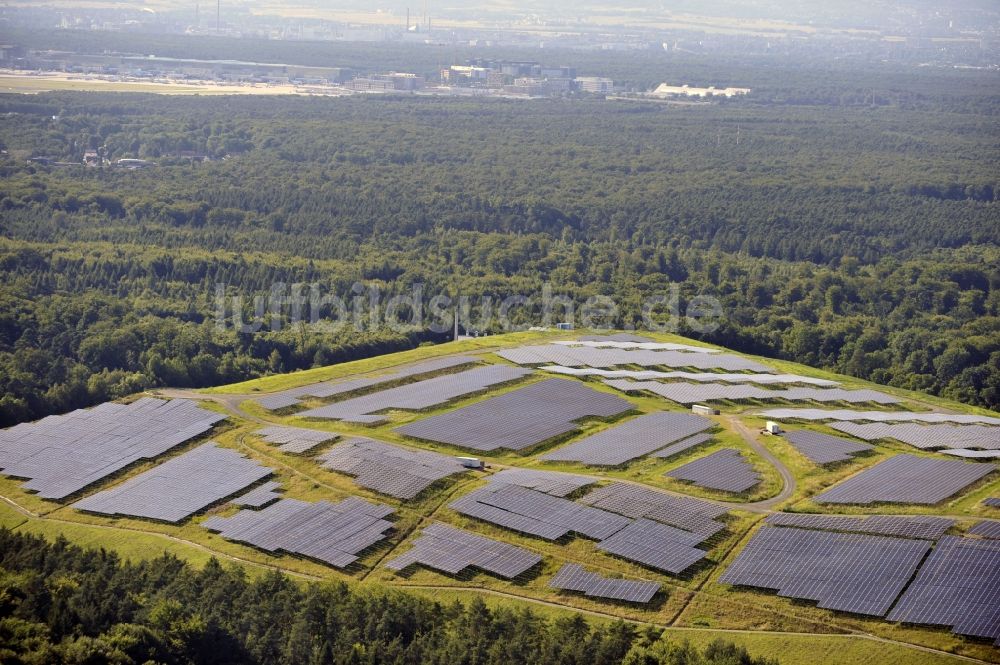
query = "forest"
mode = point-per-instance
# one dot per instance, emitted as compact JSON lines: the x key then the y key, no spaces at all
{"x":855,"y":237}
{"x":64,"y":605}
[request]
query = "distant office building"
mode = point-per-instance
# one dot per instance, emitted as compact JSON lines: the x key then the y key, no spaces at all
{"x":594,"y":84}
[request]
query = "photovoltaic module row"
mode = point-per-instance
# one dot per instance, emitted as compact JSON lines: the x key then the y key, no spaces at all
{"x":693,"y":393}
{"x":180,"y":486}
{"x":926,"y":437}
{"x":957,"y":586}
{"x":389,"y":469}
{"x":648,"y":345}
{"x":725,"y":470}
{"x":536,"y":513}
{"x":64,"y":454}
{"x":907,"y":479}
{"x":572,"y":577}
{"x":549,"y":482}
{"x":632,"y":439}
{"x":701,"y":377}
{"x":334,"y":533}
{"x":655,"y":545}
{"x":971,"y":454}
{"x":519,"y":419}
{"x":823,"y":448}
{"x":417,"y":396}
{"x":993,"y":502}
{"x":452,"y":550}
{"x":555,"y":354}
{"x":293,"y":397}
{"x":877,"y":416}
{"x":296,"y":440}
{"x":683,"y":445}
{"x":926,"y":527}
{"x":685,"y":512}
{"x":986,"y":529}
{"x":259,"y":497}
{"x":849,"y":572}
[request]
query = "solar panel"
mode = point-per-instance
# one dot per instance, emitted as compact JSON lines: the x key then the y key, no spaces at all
{"x":907,"y":479}
{"x":971,"y":454}
{"x":993,"y":502}
{"x":572,"y":577}
{"x":701,"y":377}
{"x":957,"y":586}
{"x":926,"y":527}
{"x":259,"y":496}
{"x":683,"y":445}
{"x":823,"y":448}
{"x":519,"y":419}
{"x":635,"y":501}
{"x":692,"y":393}
{"x":585,"y":356}
{"x":929,"y":437}
{"x":296,"y":440}
{"x":655,"y":545}
{"x":877,"y":416}
{"x":549,"y":482}
{"x":725,"y":470}
{"x":64,"y":454}
{"x":334,"y":533}
{"x":986,"y":529}
{"x":293,"y":397}
{"x":635,"y":438}
{"x":389,"y":469}
{"x":536,"y":513}
{"x":180,"y":486}
{"x":417,"y":396}
{"x":452,"y":550}
{"x":849,"y":572}
{"x":645,"y":345}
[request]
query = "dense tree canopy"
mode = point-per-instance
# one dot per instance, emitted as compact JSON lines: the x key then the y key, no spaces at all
{"x":60,"y":604}
{"x":857,"y":238}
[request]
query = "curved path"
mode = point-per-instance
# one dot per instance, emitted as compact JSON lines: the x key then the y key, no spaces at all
{"x":787,"y":479}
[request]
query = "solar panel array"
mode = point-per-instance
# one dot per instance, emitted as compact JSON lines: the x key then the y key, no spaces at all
{"x":683,"y":445}
{"x":725,"y":470}
{"x":850,"y":572}
{"x":536,"y":513}
{"x":613,"y":337}
{"x":925,"y":527}
{"x":64,"y":454}
{"x":986,"y":529}
{"x":907,"y":479}
{"x":823,"y":448}
{"x":452,"y":550}
{"x":693,"y":393}
{"x":584,"y":356}
{"x":293,"y":397}
{"x":335,"y":533}
{"x":655,"y":545}
{"x":295,"y":440}
{"x":993,"y":502}
{"x":259,"y":497}
{"x":635,"y":438}
{"x":549,"y":482}
{"x":572,"y":577}
{"x":180,"y":486}
{"x":635,"y":501}
{"x":926,"y":437}
{"x":957,"y":586}
{"x":519,"y":419}
{"x":877,"y":416}
{"x":417,"y":396}
{"x":971,"y":454}
{"x":389,"y":469}
{"x":646,"y":345}
{"x":700,"y":377}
